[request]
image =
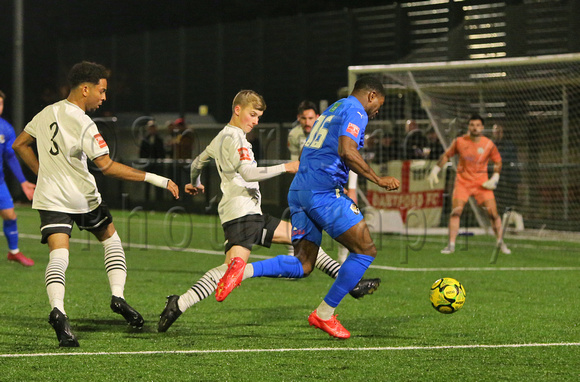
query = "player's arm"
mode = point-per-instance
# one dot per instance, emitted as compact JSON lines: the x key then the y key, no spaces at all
{"x":443,"y":159}
{"x":348,"y":152}
{"x":241,"y":159}
{"x":10,"y":157}
{"x":23,"y":147}
{"x":256,"y":174}
{"x":491,"y":183}
{"x":195,"y":186}
{"x":120,"y":171}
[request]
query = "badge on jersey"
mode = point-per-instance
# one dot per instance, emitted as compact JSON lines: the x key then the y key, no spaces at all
{"x":244,"y":153}
{"x":2,"y":139}
{"x":100,"y":141}
{"x":353,"y":129}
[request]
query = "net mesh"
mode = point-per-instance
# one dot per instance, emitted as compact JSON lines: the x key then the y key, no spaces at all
{"x":532,"y":104}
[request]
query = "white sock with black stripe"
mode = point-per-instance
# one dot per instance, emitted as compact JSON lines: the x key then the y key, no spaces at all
{"x":327,"y":264}
{"x":54,"y":277}
{"x":205,"y":286}
{"x":115,"y":264}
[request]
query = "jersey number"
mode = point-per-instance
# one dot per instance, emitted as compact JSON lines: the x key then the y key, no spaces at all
{"x":318,"y":133}
{"x":54,"y":150}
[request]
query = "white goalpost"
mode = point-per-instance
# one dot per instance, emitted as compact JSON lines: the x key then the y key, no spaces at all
{"x":532,"y":102}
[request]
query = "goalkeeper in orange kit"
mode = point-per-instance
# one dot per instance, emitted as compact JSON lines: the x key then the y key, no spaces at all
{"x":474,"y":151}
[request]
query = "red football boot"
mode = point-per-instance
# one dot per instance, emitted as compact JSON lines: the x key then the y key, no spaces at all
{"x":231,"y":279}
{"x":20,"y":258}
{"x":332,"y":326}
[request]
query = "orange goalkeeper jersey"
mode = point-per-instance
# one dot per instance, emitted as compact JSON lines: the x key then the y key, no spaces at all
{"x":473,"y":158}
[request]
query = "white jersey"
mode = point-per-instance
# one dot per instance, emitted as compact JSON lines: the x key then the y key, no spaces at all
{"x":65,"y":137}
{"x":233,"y":155}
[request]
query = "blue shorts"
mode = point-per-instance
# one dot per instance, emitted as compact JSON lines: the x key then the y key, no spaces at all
{"x":314,"y":211}
{"x":5,"y":197}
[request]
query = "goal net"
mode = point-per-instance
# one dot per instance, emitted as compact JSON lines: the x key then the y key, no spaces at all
{"x":532,"y":102}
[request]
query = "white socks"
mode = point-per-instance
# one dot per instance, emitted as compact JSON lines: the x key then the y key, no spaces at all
{"x":205,"y":286}
{"x":55,"y":278}
{"x":115,"y":264}
{"x":325,"y":311}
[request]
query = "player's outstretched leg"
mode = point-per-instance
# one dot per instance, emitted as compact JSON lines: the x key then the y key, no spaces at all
{"x":177,"y":305}
{"x":59,"y":321}
{"x":133,"y":318}
{"x":231,"y":279}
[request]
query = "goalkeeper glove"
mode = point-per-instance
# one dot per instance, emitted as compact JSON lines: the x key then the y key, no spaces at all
{"x":433,"y":176}
{"x":491,"y":184}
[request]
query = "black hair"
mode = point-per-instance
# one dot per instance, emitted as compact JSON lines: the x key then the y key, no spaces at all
{"x":369,"y":84}
{"x":86,"y":72}
{"x":475,"y":117}
{"x":307,"y":105}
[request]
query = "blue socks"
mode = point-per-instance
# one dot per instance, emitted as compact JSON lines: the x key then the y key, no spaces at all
{"x":350,"y":273}
{"x":11,"y":233}
{"x":279,"y":266}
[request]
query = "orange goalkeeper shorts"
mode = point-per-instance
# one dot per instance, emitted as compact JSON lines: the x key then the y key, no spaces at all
{"x":463,"y":190}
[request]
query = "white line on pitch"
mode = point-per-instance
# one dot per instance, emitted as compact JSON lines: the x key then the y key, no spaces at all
{"x":387,"y":348}
{"x":476,"y":269}
{"x":383,"y":267}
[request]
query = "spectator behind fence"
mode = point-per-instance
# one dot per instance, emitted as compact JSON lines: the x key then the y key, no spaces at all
{"x":307,"y":115}
{"x":434,"y":149}
{"x":415,"y":142}
{"x":389,"y":148}
{"x":181,"y":139}
{"x":152,"y":144}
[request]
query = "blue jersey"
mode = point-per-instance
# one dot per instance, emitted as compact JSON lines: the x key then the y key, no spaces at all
{"x":321,"y":168}
{"x":7,"y":155}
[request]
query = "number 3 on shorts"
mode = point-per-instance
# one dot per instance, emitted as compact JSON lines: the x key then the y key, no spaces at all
{"x":318,"y":133}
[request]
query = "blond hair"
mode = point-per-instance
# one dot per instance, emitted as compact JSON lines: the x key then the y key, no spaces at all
{"x":249,"y":97}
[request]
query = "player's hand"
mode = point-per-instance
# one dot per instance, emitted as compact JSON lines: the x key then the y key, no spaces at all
{"x":194,"y":190}
{"x":389,"y":183}
{"x":434,"y":176}
{"x":292,"y":167}
{"x":491,"y":183}
{"x":28,"y":189}
{"x":172,"y":187}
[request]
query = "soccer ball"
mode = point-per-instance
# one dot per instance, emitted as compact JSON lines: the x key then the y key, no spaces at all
{"x":447,"y":295}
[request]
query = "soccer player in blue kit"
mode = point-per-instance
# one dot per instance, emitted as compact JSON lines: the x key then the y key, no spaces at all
{"x":7,"y":212}
{"x":317,"y":202}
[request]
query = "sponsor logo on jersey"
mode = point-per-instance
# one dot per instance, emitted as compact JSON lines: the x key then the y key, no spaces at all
{"x":296,"y":231}
{"x":244,"y":153}
{"x":353,"y":129}
{"x":100,"y":141}
{"x":334,"y":107}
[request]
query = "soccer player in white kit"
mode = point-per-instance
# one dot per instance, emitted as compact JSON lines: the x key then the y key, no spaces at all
{"x":66,"y":191}
{"x":240,"y":207}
